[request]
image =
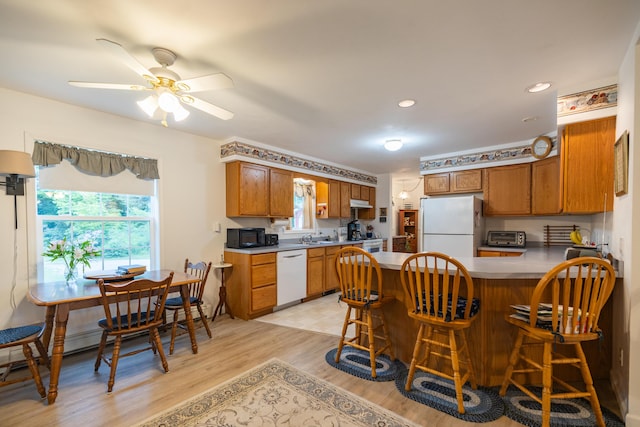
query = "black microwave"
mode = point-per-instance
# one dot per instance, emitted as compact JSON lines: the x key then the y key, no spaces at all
{"x":241,"y":238}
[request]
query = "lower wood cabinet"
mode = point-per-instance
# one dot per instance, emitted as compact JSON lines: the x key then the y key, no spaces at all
{"x":251,"y":284}
{"x":490,"y":253}
{"x":315,"y":271}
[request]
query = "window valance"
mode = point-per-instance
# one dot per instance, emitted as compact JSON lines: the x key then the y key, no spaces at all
{"x":94,"y":162}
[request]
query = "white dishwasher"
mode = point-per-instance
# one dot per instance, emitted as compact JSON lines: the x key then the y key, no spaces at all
{"x":292,"y":276}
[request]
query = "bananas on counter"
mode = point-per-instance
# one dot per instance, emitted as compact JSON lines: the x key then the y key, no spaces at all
{"x":576,"y":237}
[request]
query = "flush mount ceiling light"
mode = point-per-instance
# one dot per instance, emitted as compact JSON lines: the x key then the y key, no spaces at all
{"x":538,"y":87}
{"x":406,"y":103}
{"x":393,"y":144}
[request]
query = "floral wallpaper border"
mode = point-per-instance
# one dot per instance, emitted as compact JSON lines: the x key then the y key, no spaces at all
{"x":594,"y":99}
{"x":482,"y":157}
{"x":243,"y":149}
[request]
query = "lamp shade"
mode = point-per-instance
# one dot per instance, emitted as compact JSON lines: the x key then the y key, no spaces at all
{"x":16,"y":163}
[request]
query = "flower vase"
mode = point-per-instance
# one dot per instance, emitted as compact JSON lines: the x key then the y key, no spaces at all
{"x":71,"y":274}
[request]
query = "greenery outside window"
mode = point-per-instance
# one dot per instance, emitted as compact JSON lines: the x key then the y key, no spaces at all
{"x":120,"y":225}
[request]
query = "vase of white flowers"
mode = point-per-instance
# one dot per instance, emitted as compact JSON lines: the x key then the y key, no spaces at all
{"x":73,"y":254}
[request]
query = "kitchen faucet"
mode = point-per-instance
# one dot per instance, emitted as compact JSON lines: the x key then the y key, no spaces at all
{"x":306,"y":239}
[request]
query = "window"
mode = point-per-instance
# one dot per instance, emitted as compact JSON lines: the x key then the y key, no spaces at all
{"x":119,"y":225}
{"x":304,"y":205}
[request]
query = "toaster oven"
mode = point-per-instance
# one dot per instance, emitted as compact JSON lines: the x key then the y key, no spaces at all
{"x":507,"y":239}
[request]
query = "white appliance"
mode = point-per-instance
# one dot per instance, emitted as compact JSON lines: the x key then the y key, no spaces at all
{"x":372,"y":245}
{"x":452,"y":225}
{"x":291,"y":276}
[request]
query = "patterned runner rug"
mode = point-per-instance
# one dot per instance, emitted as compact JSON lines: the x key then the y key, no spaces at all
{"x":357,"y":363}
{"x":564,"y":413}
{"x":277,"y":394}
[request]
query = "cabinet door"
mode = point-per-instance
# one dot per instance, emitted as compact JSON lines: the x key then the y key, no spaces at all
{"x":334,"y":199}
{"x":507,"y":190}
{"x":364,"y":192}
{"x":546,"y":196}
{"x":436,"y":184}
{"x":315,"y":271}
{"x":247,"y":189}
{"x":466,"y":181}
{"x":587,"y":159}
{"x":280,"y":193}
{"x":345,"y":200}
{"x":331,"y":275}
{"x":355,"y":191}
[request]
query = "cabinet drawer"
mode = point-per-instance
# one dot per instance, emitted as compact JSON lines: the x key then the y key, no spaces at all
{"x":315,"y":252}
{"x":263,"y":258}
{"x":264,"y":297}
{"x":262,"y":275}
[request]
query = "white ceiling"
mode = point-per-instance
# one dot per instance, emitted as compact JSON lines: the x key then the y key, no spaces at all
{"x":323,"y":78}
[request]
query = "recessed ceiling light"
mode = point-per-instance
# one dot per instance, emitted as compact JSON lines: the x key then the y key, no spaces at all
{"x":539,"y":87}
{"x":406,"y":103}
{"x":393,"y":144}
{"x":530,"y":119}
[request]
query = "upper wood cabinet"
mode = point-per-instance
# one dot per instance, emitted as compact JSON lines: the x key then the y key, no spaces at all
{"x":247,"y":189}
{"x":355,"y":192}
{"x":468,"y":181}
{"x":345,"y":200}
{"x":507,"y":190}
{"x":587,"y":166}
{"x":546,"y":194}
{"x":256,"y":190}
{"x":280,"y":193}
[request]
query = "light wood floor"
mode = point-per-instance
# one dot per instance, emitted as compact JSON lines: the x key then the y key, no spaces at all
{"x":142,"y":389}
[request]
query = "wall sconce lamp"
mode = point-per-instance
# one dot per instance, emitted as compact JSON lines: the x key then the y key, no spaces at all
{"x":15,"y":166}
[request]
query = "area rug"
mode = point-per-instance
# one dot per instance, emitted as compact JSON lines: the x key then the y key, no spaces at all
{"x":564,"y":413}
{"x":277,"y":394}
{"x":481,"y":405}
{"x":357,"y":363}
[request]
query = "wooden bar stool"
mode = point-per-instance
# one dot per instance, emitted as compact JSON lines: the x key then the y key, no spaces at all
{"x":439,"y":295}
{"x":356,"y":269}
{"x":563,"y":312}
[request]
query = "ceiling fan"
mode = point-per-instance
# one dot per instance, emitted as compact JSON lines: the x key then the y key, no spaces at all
{"x":169,"y":91}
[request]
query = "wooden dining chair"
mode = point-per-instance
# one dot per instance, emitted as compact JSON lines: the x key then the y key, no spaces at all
{"x":357,"y":270}
{"x":24,"y":336}
{"x":439,"y":295}
{"x":137,"y":306}
{"x":196,"y":292}
{"x":563,"y":312}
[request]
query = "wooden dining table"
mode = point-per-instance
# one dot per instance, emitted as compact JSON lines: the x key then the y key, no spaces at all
{"x":60,"y":298}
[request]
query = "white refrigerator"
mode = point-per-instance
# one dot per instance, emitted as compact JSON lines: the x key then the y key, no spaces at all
{"x":452,"y":225}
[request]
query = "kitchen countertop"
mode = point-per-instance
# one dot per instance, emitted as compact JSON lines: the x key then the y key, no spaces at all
{"x":534,"y":262}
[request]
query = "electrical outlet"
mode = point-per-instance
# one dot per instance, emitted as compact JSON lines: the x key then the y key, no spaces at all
{"x":621,"y":246}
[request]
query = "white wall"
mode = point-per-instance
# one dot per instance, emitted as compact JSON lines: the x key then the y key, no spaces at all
{"x":191,"y":193}
{"x":625,"y":231}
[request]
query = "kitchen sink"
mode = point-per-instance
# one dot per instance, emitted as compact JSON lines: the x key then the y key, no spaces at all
{"x":321,"y":242}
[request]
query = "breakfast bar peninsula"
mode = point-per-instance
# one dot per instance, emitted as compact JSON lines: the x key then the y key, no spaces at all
{"x":499,"y":282}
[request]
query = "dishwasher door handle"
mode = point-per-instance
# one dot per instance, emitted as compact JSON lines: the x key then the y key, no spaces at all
{"x":292,"y":256}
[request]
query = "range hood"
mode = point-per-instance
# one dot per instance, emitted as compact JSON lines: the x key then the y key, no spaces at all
{"x":360,"y":204}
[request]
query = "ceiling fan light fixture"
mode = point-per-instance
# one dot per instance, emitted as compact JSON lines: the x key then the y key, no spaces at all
{"x":180,"y":113}
{"x":149,"y":105}
{"x":168,"y":101}
{"x":393,"y":144}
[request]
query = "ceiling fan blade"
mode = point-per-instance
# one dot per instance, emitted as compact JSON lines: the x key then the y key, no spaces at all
{"x":208,"y":82}
{"x":208,"y":108}
{"x":108,"y":86}
{"x":117,"y":50}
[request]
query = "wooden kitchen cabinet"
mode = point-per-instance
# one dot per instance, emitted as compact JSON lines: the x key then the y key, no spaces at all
{"x":247,"y":189}
{"x":369,"y":194}
{"x":251,"y":284}
{"x":315,"y":271}
{"x":258,"y":191}
{"x":507,"y":190}
{"x":345,"y":200}
{"x":587,"y":166}
{"x":408,"y":227}
{"x":468,"y":181}
{"x":355,"y":192}
{"x":546,"y":194}
{"x":490,"y":253}
{"x":280,"y":193}
{"x":331,"y":282}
